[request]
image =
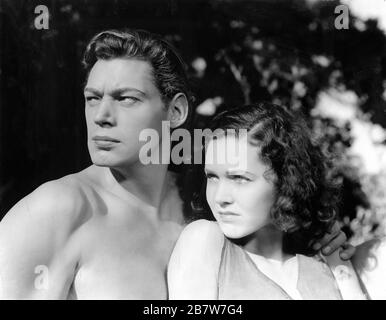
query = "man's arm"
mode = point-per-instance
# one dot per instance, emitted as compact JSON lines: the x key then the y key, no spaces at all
{"x":33,"y":235}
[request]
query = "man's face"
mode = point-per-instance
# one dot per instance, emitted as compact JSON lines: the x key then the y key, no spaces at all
{"x":121,"y":100}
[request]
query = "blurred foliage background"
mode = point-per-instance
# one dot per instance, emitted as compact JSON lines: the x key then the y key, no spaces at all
{"x":287,"y":52}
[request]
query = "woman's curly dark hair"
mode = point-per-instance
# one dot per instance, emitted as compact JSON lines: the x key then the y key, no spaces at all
{"x":306,"y":197}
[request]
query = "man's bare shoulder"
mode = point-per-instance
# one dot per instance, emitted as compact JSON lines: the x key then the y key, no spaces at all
{"x":40,"y":231}
{"x":58,"y":203}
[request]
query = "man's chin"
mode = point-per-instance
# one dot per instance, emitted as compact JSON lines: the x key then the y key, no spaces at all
{"x":110,"y":162}
{"x":103,"y":161}
{"x":102,"y":165}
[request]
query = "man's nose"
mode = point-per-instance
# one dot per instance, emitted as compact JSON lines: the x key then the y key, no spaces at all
{"x":223,"y":195}
{"x":105,"y":114}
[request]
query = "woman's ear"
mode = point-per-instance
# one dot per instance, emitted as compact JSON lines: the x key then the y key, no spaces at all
{"x":178,"y":110}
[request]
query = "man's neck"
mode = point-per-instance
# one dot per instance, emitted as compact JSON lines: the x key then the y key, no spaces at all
{"x":146,"y":183}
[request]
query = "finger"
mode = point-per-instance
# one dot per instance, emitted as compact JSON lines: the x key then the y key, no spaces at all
{"x":334,"y":228}
{"x":347,"y":251}
{"x":334,"y":244}
{"x":332,"y":233}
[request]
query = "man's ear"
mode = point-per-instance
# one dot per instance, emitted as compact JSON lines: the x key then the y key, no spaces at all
{"x":178,"y":110}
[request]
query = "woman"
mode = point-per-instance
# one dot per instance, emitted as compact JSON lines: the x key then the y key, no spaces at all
{"x":270,"y":203}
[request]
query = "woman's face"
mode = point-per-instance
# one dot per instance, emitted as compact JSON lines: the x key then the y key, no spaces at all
{"x":237,"y":192}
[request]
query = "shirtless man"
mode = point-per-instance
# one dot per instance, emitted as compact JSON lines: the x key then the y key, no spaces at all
{"x":108,"y":231}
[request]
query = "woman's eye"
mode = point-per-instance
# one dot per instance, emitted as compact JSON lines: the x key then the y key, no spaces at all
{"x":211,"y":177}
{"x":240,"y":179}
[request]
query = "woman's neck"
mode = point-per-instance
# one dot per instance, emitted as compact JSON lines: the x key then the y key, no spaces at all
{"x":267,"y":242}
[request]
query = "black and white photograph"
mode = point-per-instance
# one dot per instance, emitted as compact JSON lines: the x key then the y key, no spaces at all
{"x":190,"y":150}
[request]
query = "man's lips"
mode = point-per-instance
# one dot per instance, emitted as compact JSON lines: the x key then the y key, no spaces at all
{"x":105,"y":142}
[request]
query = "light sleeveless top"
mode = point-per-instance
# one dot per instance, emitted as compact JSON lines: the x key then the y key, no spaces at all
{"x":285,"y":274}
{"x":240,"y":279}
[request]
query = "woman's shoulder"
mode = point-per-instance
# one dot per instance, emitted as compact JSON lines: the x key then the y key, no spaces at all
{"x":202,"y":234}
{"x":203,"y":226}
{"x":195,"y":261}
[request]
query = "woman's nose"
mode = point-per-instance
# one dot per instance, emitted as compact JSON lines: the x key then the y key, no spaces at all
{"x":105,"y":114}
{"x":223,"y":195}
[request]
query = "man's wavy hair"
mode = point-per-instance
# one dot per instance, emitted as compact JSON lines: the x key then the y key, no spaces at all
{"x":169,"y":70}
{"x":306,"y":197}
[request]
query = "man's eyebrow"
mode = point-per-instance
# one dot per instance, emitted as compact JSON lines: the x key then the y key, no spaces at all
{"x":127,"y":89}
{"x":92,"y":90}
{"x":117,"y":91}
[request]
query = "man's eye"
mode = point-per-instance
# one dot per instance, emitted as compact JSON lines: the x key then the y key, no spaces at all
{"x":128,"y":99}
{"x":92,"y":99}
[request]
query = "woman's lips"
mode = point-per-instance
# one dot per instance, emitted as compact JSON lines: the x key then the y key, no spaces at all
{"x":227,"y":213}
{"x":226,"y":216}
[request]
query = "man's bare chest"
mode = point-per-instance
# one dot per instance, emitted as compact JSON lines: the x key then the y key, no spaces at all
{"x":122,"y":259}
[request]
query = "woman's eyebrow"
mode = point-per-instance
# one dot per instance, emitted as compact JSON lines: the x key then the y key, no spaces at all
{"x":239,"y":172}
